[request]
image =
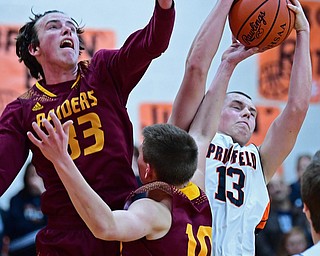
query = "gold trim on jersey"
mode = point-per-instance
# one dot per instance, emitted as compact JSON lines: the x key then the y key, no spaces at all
{"x":45,"y":91}
{"x":191,"y":191}
{"x":77,"y":80}
{"x":50,"y":94}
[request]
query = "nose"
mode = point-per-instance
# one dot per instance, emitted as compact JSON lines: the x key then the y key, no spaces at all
{"x":66,"y":30}
{"x":246,"y":112}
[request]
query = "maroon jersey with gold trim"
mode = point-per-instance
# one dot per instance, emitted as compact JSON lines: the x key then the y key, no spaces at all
{"x":190,"y":232}
{"x":101,"y":137}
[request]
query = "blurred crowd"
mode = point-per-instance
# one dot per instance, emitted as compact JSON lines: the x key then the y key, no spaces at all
{"x":20,"y":223}
{"x":287,"y":231}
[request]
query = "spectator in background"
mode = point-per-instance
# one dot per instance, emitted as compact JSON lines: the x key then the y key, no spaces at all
{"x":283,"y":217}
{"x":310,"y":193}
{"x":295,"y":241}
{"x":25,"y":217}
{"x":295,"y":196}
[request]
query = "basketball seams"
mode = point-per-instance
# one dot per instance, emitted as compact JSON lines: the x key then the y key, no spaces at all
{"x":249,"y":17}
{"x":274,"y":21}
{"x":264,"y":23}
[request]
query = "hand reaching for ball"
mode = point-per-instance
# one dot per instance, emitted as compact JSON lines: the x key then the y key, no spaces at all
{"x":301,"y":22}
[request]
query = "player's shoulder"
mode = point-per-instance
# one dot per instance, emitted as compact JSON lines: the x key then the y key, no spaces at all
{"x":33,"y":94}
{"x":27,"y":95}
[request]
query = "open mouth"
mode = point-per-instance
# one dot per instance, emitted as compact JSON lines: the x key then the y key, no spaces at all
{"x":67,"y":43}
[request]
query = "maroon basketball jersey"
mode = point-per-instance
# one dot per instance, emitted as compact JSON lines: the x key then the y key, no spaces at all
{"x":190,"y":232}
{"x":101,"y":137}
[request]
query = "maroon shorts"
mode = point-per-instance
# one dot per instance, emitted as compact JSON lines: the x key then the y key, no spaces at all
{"x":74,"y":242}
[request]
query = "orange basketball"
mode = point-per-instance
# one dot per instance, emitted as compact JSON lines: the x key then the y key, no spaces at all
{"x":261,"y":23}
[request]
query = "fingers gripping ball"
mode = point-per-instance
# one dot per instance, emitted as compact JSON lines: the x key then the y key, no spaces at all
{"x":261,"y":23}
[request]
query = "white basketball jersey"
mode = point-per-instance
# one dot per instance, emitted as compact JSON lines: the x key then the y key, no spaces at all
{"x":237,"y":193}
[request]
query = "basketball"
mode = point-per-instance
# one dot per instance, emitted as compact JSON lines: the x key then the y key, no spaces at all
{"x":261,"y":23}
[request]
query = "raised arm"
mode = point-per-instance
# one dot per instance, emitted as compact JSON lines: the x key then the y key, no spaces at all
{"x":143,"y":217}
{"x":130,"y":62}
{"x":282,"y":134}
{"x":201,"y":53}
{"x":206,"y":121}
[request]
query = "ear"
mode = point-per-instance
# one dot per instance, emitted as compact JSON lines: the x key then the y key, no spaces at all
{"x":150,"y":174}
{"x":306,"y":211}
{"x":34,"y":51}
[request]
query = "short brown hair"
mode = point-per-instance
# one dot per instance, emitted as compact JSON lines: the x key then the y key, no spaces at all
{"x":171,"y":151}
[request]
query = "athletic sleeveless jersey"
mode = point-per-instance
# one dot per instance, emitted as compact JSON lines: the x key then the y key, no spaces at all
{"x":238,"y":195}
{"x":190,"y":232}
{"x":100,"y":139}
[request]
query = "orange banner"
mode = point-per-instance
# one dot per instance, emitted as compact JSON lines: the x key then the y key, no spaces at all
{"x":14,"y":76}
{"x":275,"y":64}
{"x":154,"y":113}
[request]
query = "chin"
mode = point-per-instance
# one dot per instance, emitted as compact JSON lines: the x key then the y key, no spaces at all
{"x":242,"y":141}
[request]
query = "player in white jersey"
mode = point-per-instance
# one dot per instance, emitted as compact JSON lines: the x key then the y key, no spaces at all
{"x":238,"y":194}
{"x":310,"y":194}
{"x":236,"y":183}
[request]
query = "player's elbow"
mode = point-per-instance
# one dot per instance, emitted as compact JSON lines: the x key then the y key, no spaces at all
{"x":195,"y":68}
{"x":299,"y":107}
{"x":107,"y":233}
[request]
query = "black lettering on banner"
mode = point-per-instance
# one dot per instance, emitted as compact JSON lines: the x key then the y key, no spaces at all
{"x":286,"y":55}
{"x":11,"y":39}
{"x":307,"y":12}
{"x":313,"y":16}
{"x":8,"y":39}
{"x":159,"y":115}
{"x":90,"y":49}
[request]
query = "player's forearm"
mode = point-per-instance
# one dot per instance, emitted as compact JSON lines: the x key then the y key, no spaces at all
{"x":157,"y":33}
{"x":288,"y":124}
{"x":92,"y":209}
{"x":301,"y":75}
{"x":207,"y":40}
{"x":201,"y":53}
{"x":205,"y":124}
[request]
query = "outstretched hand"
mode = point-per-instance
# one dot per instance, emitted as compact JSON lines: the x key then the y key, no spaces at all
{"x":301,"y":22}
{"x":54,"y":145}
{"x":237,"y":52}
